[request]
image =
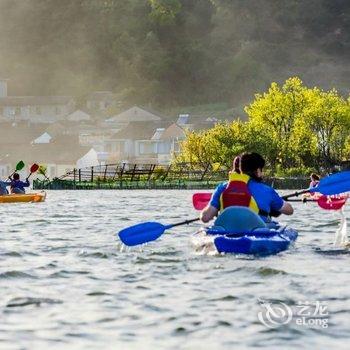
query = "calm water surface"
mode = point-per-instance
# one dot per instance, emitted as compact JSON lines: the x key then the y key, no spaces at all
{"x":65,"y":283}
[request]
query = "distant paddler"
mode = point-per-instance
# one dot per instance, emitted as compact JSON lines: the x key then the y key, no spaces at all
{"x":3,"y":185}
{"x":18,"y":186}
{"x":314,"y":182}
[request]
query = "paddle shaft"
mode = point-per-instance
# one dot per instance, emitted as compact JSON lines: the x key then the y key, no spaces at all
{"x":296,"y":194}
{"x":182,"y":223}
{"x":302,"y":200}
{"x":43,"y":173}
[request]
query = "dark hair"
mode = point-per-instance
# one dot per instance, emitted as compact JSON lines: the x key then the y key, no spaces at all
{"x":16,"y":176}
{"x":236,"y":165}
{"x":250,"y":162}
{"x":315,"y":177}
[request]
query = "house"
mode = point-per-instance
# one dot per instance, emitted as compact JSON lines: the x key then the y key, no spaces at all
{"x":196,"y":122}
{"x":100,"y":100}
{"x":92,"y":136}
{"x":172,"y":136}
{"x":34,"y":109}
{"x":35,"y":144}
{"x":87,"y":134}
{"x":92,"y":158}
{"x":133,"y":114}
{"x":51,"y":133}
{"x":15,"y":141}
{"x":59,"y":155}
{"x":12,"y":135}
{"x":139,"y":142}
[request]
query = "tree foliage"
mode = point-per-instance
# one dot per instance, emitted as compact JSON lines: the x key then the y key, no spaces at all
{"x":172,"y":52}
{"x":291,"y":125}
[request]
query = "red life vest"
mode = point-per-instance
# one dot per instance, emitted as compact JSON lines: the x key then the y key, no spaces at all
{"x":237,"y":193}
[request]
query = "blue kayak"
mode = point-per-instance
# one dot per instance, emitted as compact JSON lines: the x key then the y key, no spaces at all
{"x":239,"y":230}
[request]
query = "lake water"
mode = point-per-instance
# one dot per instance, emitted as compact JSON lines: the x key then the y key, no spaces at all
{"x":65,"y":283}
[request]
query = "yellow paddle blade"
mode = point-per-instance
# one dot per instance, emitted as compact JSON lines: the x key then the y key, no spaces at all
{"x":42,"y":169}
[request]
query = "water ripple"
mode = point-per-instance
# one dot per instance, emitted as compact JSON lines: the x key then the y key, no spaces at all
{"x":25,"y":301}
{"x":66,"y":282}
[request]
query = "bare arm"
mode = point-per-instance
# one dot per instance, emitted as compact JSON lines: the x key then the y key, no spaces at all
{"x":286,"y":208}
{"x":208,"y":213}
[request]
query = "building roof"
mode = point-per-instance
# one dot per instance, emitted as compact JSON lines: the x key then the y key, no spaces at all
{"x":158,"y":134}
{"x":19,"y":134}
{"x":183,"y":119}
{"x":174,"y":131}
{"x":14,"y":101}
{"x":139,"y":130}
{"x":78,"y":115}
{"x":135,"y":114}
{"x":65,"y":150}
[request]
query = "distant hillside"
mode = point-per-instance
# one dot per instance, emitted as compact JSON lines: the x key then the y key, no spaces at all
{"x":169,"y":53}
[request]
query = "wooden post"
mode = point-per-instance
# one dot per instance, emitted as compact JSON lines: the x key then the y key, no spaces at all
{"x":79,"y":175}
{"x":121,"y":175}
{"x":205,"y":171}
{"x":92,"y":174}
{"x":133,"y":172}
{"x":104,"y":175}
{"x":167,"y":173}
{"x":151,"y":170}
{"x":74,"y":174}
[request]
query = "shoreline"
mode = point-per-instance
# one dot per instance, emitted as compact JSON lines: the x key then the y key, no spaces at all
{"x":57,"y":184}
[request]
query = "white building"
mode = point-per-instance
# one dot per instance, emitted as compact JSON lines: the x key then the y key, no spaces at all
{"x":35,"y":109}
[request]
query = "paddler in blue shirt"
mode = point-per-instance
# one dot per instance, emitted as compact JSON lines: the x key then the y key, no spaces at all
{"x":3,"y":185}
{"x":17,"y":186}
{"x":246,"y":189}
{"x":314,"y":180}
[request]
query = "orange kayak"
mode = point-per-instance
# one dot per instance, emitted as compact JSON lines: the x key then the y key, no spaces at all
{"x":25,"y":198}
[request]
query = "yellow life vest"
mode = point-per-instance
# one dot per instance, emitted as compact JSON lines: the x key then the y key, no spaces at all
{"x":237,"y":193}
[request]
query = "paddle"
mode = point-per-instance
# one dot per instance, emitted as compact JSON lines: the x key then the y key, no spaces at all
{"x":201,"y":200}
{"x":42,"y":171}
{"x":328,"y":203}
{"x":325,"y":202}
{"x":19,"y":167}
{"x":146,"y":232}
{"x":330,"y":185}
{"x":150,"y":231}
{"x":33,"y":169}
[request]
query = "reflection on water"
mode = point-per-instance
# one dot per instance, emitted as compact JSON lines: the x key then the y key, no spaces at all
{"x":66,"y":282}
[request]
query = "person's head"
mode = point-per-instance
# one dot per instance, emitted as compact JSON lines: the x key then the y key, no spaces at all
{"x":252,"y":164}
{"x":16,"y":176}
{"x":236,"y":165}
{"x":314,"y":177}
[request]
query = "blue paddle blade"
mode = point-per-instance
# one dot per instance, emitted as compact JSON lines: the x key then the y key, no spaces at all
{"x":141,"y":233}
{"x":334,"y":184}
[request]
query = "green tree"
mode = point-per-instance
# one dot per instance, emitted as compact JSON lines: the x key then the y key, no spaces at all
{"x":328,"y":117}
{"x":275,"y":113}
{"x":295,"y":128}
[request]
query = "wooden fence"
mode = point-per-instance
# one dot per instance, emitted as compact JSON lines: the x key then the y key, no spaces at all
{"x":136,"y":176}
